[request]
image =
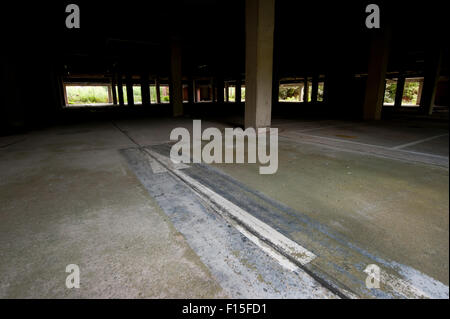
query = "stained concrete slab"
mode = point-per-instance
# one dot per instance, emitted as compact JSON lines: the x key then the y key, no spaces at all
{"x":385,"y":133}
{"x":340,"y":260}
{"x":399,"y":154}
{"x":67,"y":197}
{"x":240,"y":266}
{"x":157,"y":130}
{"x":67,"y":193}
{"x":398,"y":211}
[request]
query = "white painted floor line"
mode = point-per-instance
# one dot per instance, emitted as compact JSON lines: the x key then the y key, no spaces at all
{"x":418,"y":141}
{"x":425,"y":154}
{"x":286,"y":263}
{"x":251,"y":223}
{"x":340,"y":140}
{"x":320,"y":128}
{"x":156,"y":167}
{"x":167,"y":161}
{"x":261,"y":234}
{"x":365,"y":144}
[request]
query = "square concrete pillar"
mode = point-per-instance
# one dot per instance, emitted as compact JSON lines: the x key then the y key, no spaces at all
{"x":227,"y":93}
{"x":305,"y":90}
{"x":419,"y":93}
{"x":66,"y":101}
{"x":113,"y":88}
{"x":158,"y":90}
{"x":220,"y":89}
{"x":433,"y":61}
{"x":120,"y":89}
{"x":378,"y":60}
{"x":110,"y":99}
{"x":213,"y":90}
{"x":314,"y":88}
{"x":129,"y":85}
{"x":325,"y":90}
{"x":176,"y":86}
{"x":238,"y":91}
{"x":145,"y":88}
{"x":259,"y":26}
{"x":190,"y":90}
{"x":399,"y":90}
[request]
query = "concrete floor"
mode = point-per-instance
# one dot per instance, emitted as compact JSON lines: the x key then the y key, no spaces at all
{"x":68,"y":195}
{"x":390,"y":206}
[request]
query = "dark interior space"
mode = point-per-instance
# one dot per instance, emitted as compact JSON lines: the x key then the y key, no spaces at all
{"x":133,"y":42}
{"x":356,"y":115}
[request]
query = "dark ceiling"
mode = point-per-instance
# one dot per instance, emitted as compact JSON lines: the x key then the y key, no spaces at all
{"x":310,"y":36}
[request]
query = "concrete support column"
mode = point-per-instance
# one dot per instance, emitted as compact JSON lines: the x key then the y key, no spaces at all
{"x":110,"y":99}
{"x":176,"y":86}
{"x":66,"y":101}
{"x":113,"y":88}
{"x":227,"y":93}
{"x":58,"y":91}
{"x":378,"y":60}
{"x":12,"y":109}
{"x":158,"y":90}
{"x":190,"y":90}
{"x":120,"y":89}
{"x":145,"y":89}
{"x":325,"y":90}
{"x":198,"y":95}
{"x":305,"y":91}
{"x":399,"y":91}
{"x":220,"y":93}
{"x":315,"y":88}
{"x":433,"y":61}
{"x":129,"y":84}
{"x":238,"y":91}
{"x":419,"y":92}
{"x":213,"y":90}
{"x":259,"y":26}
